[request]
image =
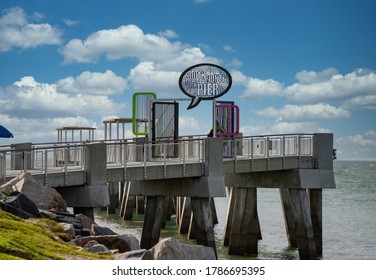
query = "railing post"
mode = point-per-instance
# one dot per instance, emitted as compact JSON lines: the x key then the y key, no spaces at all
{"x":283,"y":151}
{"x":3,"y":167}
{"x":18,"y":159}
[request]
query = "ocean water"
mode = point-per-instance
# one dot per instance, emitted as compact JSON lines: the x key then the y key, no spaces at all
{"x":349,"y":219}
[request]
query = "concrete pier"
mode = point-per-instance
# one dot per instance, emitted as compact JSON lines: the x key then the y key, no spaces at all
{"x":300,"y":166}
{"x":94,"y":193}
{"x":301,"y":199}
{"x":199,"y":189}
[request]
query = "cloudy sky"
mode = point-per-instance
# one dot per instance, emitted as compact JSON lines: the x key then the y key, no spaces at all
{"x":298,"y":66}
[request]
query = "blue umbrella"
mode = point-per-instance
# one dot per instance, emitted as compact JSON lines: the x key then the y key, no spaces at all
{"x":5,"y":133}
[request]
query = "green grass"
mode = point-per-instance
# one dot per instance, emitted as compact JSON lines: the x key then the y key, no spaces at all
{"x":37,"y":239}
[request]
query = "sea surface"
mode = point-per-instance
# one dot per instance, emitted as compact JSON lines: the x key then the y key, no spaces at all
{"x":349,"y":219}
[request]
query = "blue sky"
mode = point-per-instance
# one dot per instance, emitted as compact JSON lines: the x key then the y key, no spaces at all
{"x":298,"y":66}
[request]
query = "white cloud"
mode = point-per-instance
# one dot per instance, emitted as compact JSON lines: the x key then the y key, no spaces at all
{"x":235,"y":63}
{"x":125,"y":41}
{"x":145,"y":77}
{"x":361,"y":102}
{"x":282,"y":128}
{"x":95,"y":83}
{"x":312,"y":77}
{"x":228,"y":48}
{"x":17,"y":32}
{"x":257,"y":88}
{"x":38,"y":130}
{"x":71,"y":22}
{"x":131,"y":41}
{"x":29,"y":98}
{"x":168,"y":33}
{"x":330,"y":86}
{"x":188,"y":124}
{"x":201,"y":1}
{"x":295,"y":113}
{"x":359,"y":146}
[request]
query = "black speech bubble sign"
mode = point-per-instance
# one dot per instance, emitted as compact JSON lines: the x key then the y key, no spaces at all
{"x":204,"y":81}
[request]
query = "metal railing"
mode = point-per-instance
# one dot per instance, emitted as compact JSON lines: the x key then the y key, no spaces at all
{"x":127,"y":153}
{"x":58,"y":157}
{"x":273,"y":146}
{"x":53,"y":158}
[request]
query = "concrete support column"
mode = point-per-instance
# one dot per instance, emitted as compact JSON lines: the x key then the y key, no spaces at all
{"x":213,"y":211}
{"x":303,"y":224}
{"x":152,"y":221}
{"x":87,"y":211}
{"x":289,"y":217}
{"x":113,"y":189}
{"x":245,"y":228}
{"x":315,"y":203}
{"x":140,"y":204}
{"x":230,"y":215}
{"x":95,"y":192}
{"x":203,"y":222}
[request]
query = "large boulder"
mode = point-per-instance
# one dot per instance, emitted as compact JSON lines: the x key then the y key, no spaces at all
{"x":122,"y":243}
{"x":171,"y":249}
{"x":44,"y":197}
{"x":20,"y":205}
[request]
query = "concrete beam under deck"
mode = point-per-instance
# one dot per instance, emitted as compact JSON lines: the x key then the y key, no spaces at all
{"x":295,"y":179}
{"x":154,"y":172}
{"x":190,"y":187}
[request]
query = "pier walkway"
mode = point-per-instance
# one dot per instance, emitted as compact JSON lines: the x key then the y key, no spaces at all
{"x":300,"y":165}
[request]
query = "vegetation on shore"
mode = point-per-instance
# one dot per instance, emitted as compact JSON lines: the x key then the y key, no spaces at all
{"x":37,"y":239}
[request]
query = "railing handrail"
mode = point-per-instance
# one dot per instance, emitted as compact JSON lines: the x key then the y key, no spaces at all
{"x":126,"y":152}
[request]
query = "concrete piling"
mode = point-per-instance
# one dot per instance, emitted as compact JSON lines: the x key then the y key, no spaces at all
{"x":152,"y":221}
{"x":244,"y":233}
{"x":203,"y":222}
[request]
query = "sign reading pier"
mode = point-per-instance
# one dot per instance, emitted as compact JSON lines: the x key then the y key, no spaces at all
{"x":204,"y":81}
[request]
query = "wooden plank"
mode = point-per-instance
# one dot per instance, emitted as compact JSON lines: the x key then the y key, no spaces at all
{"x":123,"y":203}
{"x":185,"y":216}
{"x":191,"y":230}
{"x":130,"y":205}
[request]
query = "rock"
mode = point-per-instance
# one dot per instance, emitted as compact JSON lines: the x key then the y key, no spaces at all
{"x":69,"y":229}
{"x":44,"y":197}
{"x":171,"y":249}
{"x":85,"y":221}
{"x":131,"y":255}
{"x":20,"y":205}
{"x":94,"y":247}
{"x":63,"y":217}
{"x":133,"y":242}
{"x":97,"y":230}
{"x":123,"y":243}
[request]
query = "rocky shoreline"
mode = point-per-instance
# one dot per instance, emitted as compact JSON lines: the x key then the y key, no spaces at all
{"x":25,"y":198}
